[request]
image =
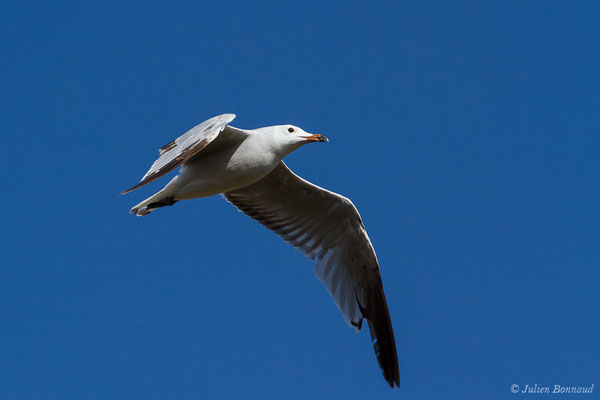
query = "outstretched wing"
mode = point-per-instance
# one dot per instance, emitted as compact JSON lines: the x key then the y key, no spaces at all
{"x":186,"y":146}
{"x":327,"y":226}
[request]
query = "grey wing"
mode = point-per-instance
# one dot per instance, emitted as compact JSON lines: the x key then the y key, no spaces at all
{"x":327,"y":226}
{"x":186,"y":146}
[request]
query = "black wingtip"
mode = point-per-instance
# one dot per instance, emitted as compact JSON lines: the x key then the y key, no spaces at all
{"x":382,"y":336}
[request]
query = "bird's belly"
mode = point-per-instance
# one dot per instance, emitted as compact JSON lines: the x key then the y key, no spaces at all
{"x":220,"y":173}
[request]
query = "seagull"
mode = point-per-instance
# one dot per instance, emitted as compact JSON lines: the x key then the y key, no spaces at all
{"x":246,"y":167}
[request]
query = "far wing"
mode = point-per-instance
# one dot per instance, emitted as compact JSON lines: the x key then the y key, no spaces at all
{"x":327,"y":226}
{"x":186,"y":146}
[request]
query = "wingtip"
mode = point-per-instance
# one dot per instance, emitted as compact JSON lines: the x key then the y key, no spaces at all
{"x":382,"y":335}
{"x":131,"y":189}
{"x":395,"y":381}
{"x":143,"y":182}
{"x":392,"y":378}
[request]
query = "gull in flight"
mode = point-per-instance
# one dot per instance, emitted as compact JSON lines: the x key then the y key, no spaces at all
{"x":246,"y":167}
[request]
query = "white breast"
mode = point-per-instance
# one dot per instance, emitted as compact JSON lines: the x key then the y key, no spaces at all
{"x":226,"y":170}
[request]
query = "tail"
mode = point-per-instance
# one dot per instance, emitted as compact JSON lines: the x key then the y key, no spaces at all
{"x":152,"y":203}
{"x":165,"y":197}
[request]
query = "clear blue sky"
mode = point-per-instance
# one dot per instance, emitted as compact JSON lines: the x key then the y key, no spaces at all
{"x":466,"y":133}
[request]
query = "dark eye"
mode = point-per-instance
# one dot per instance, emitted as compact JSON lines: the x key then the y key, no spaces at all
{"x":290,"y":130}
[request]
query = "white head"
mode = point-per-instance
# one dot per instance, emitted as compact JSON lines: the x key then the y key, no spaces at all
{"x":289,"y":137}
